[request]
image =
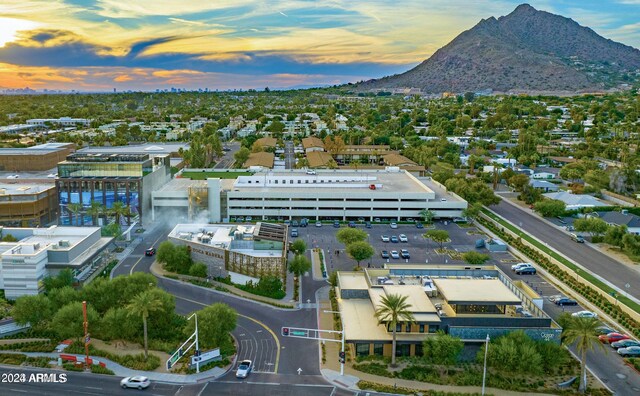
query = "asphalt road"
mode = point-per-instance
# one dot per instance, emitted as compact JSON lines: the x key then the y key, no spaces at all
{"x":599,"y":263}
{"x":289,"y":155}
{"x":137,"y":261}
{"x":604,"y":362}
{"x":227,"y":159}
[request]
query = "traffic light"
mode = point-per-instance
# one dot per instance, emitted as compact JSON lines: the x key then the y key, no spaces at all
{"x":285,"y":331}
{"x":342,"y":356}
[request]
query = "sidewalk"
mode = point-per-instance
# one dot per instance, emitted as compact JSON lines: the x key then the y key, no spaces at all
{"x":121,"y":371}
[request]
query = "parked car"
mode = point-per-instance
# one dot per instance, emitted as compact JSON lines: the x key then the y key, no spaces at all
{"x":336,"y":224}
{"x":394,"y":225}
{"x":605,"y":330}
{"x":630,"y":351}
{"x":244,"y":369}
{"x":419,"y":225}
{"x":137,"y":382}
{"x":565,"y":301}
{"x":394,"y":254}
{"x":624,"y":344}
{"x":394,"y":239}
{"x":367,"y":224}
{"x":384,"y":254}
{"x":403,"y":238}
{"x":294,"y":232}
{"x":612,"y":337}
{"x":554,"y":298}
{"x":516,"y":267}
{"x":405,"y":254}
{"x":352,"y":224}
{"x":150,"y":252}
{"x":376,"y":220}
{"x":294,"y":223}
{"x":304,"y":222}
{"x":584,"y":314}
{"x":318,"y":224}
{"x":526,"y":271}
{"x":385,"y":238}
{"x":577,"y":238}
{"x":311,"y":172}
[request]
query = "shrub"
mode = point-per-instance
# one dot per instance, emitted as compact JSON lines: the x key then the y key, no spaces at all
{"x":12,"y":358}
{"x":38,"y":361}
{"x":97,"y":369}
{"x":72,"y":367}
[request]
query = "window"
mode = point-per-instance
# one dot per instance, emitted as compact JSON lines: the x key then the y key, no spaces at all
{"x":408,"y":328}
{"x":399,"y":328}
{"x":419,"y":350}
{"x":362,"y":349}
{"x":421,"y":328}
{"x":378,"y":349}
{"x":403,"y":350}
{"x":433,"y":328}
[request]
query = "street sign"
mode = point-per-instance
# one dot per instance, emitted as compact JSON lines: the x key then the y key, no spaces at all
{"x":206,"y":356}
{"x":87,"y":339}
{"x":300,"y":333}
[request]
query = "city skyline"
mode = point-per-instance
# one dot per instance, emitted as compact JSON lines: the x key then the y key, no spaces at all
{"x":106,"y":44}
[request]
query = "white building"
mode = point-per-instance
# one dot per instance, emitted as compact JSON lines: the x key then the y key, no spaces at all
{"x":63,"y":121}
{"x":390,"y":194}
{"x":40,"y":252}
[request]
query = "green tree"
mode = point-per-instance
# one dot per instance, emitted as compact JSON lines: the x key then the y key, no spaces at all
{"x":442,"y":348}
{"x":592,"y":225}
{"x":475,"y":258}
{"x":427,"y":215}
{"x":117,"y":323}
{"x":631,"y":244}
{"x":299,"y":265}
{"x":298,"y":247}
{"x":550,"y":208}
{"x":74,"y":209}
{"x":519,"y":181}
{"x":360,"y":251}
{"x":9,"y":238}
{"x":597,"y":178}
{"x":582,"y":332}
{"x":94,"y":211}
{"x":438,"y":236}
{"x":215,"y":322}
{"x":35,"y":310}
{"x":615,"y":234}
{"x":392,"y":310}
{"x":68,"y":321}
{"x":241,"y":156}
{"x":166,"y":252}
{"x":119,"y":210}
{"x":60,"y":297}
{"x":64,"y":278}
{"x":530,"y":194}
{"x":347,"y":236}
{"x":143,"y":305}
{"x":199,"y":270}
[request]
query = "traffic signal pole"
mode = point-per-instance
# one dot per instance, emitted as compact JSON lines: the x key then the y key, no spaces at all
{"x":342,"y":356}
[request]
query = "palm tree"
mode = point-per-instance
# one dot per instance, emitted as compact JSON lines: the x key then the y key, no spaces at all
{"x":143,"y":304}
{"x":393,"y":309}
{"x":94,"y":211}
{"x":427,"y":215}
{"x":119,"y":209}
{"x":582,"y":331}
{"x":75,"y":209}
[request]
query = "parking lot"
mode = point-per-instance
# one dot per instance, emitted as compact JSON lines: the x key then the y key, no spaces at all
{"x":421,"y":250}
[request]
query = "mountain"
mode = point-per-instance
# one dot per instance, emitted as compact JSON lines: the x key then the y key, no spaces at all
{"x":526,"y":51}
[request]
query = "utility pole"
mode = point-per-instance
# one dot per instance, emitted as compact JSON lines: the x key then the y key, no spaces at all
{"x":484,"y":374}
{"x":197,"y":345}
{"x":85,"y":324}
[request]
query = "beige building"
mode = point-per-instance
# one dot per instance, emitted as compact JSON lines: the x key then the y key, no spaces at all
{"x":465,"y":302}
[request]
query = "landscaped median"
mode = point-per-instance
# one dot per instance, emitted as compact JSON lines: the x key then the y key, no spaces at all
{"x":624,"y":311}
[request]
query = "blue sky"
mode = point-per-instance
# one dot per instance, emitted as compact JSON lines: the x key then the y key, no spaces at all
{"x":224,"y":44}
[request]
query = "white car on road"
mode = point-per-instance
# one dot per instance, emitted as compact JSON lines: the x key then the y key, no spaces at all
{"x":520,"y":266}
{"x":244,"y":369}
{"x":394,"y":225}
{"x":403,"y":238}
{"x":395,"y":254}
{"x":584,"y":314}
{"x":385,"y":238}
{"x":137,"y":382}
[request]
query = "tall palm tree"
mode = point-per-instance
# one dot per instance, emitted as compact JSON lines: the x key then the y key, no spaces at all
{"x":393,"y":309}
{"x":582,"y":331}
{"x":75,"y":209}
{"x":119,"y":209}
{"x":144,"y":304}
{"x":94,"y":211}
{"x":427,"y":215}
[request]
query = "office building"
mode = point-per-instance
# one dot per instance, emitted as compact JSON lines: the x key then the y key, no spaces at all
{"x":465,"y":302}
{"x":42,"y":157}
{"x":62,"y":121}
{"x":28,"y":205}
{"x":246,"y":252}
{"x":108,"y":178}
{"x":41,"y":252}
{"x":391,"y":194}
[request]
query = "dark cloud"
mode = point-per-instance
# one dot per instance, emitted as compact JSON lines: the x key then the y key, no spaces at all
{"x":65,"y":49}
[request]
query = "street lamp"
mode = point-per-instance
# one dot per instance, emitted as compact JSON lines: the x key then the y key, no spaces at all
{"x":197,"y":346}
{"x":484,"y":374}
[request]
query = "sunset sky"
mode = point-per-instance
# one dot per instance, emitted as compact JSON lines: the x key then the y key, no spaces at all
{"x":227,"y":44}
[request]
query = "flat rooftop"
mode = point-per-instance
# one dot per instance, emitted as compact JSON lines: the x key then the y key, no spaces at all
{"x":397,"y":181}
{"x":24,"y":189}
{"x":147,"y":148}
{"x":35,"y":150}
{"x":352,"y":281}
{"x":475,"y":291}
{"x":54,"y":237}
{"x":179,"y":184}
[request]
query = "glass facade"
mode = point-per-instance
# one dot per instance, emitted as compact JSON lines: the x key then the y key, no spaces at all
{"x":362,"y":349}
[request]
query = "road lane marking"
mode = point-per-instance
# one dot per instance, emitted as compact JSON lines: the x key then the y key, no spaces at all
{"x":134,"y":266}
{"x":253,"y":320}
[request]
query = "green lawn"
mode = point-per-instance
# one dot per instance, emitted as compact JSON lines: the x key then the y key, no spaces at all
{"x":596,"y":282}
{"x":221,"y":175}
